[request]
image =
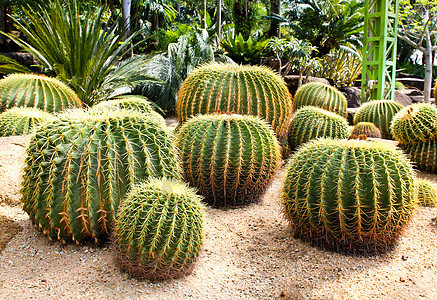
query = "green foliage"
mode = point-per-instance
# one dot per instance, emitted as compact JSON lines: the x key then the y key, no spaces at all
{"x":415,"y":123}
{"x":9,"y":65}
{"x":244,"y":51}
{"x":342,"y":66}
{"x":367,"y":129}
{"x":231,"y":159}
{"x":424,"y":154}
{"x":245,"y":90}
{"x":38,"y":91}
{"x":380,"y":113}
{"x":159,"y":230}
{"x":426,"y":192}
{"x":311,"y":122}
{"x":321,"y":95}
{"x":80,"y":166}
{"x":349,"y":196}
{"x":21,"y":120}
{"x":244,"y":16}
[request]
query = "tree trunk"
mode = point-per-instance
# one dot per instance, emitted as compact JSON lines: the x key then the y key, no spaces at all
{"x":203,"y":21}
{"x":427,"y":55}
{"x":126,"y":6}
{"x":275,"y":27}
{"x":2,"y":21}
{"x":155,"y":22}
{"x":219,"y":21}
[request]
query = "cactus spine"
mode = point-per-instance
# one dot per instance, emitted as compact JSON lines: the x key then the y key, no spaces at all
{"x":426,"y":193}
{"x":21,"y":120}
{"x":80,"y":166}
{"x":312,"y":122}
{"x":37,"y":91}
{"x":159,"y":229}
{"x":351,"y":196}
{"x":380,"y":113}
{"x":321,"y":95}
{"x":415,"y":123}
{"x":365,"y":128}
{"x":244,"y":90}
{"x":230,"y":158}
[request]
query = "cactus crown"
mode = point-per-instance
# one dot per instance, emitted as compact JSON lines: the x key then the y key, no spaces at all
{"x":367,"y":129}
{"x":80,"y":166}
{"x":321,"y":95}
{"x":138,"y":103}
{"x":229,"y":158}
{"x":38,"y":91}
{"x":351,"y":196}
{"x":244,"y":90}
{"x":426,"y":192}
{"x":158,"y":232}
{"x":311,"y":122}
{"x":380,"y":113}
{"x":21,"y":120}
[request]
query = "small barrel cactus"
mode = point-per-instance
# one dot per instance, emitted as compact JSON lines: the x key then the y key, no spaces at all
{"x":311,"y":122}
{"x":424,"y":155}
{"x":21,"y":120}
{"x":80,"y":166}
{"x":244,"y":90}
{"x":426,"y":193}
{"x":230,"y":158}
{"x":350,"y":196}
{"x":321,"y":95}
{"x":380,"y":113}
{"x":37,"y":91}
{"x":365,"y":128}
{"x":415,"y":123}
{"x":159,"y":230}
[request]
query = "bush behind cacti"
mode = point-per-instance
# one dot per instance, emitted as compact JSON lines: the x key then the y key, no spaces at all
{"x":79,"y":167}
{"x":311,"y":122}
{"x":350,"y":196}
{"x":37,"y":91}
{"x":244,"y":90}
{"x":21,"y":120}
{"x":321,"y":95}
{"x":159,"y":229}
{"x":230,"y":158}
{"x":426,"y":192}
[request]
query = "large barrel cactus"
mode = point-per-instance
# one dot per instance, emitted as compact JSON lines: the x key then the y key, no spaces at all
{"x":367,"y":129}
{"x":350,"y":196}
{"x":37,"y":91}
{"x":415,"y":123}
{"x":311,"y":122}
{"x":380,"y":113}
{"x":80,"y":166}
{"x":426,"y":192}
{"x":244,"y":90}
{"x":159,"y":230}
{"x":321,"y":95}
{"x":424,"y":155}
{"x":230,"y":158}
{"x":21,"y":120}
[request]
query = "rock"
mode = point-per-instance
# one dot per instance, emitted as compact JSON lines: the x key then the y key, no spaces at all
{"x":292,"y":82}
{"x":352,"y":94}
{"x":403,"y":99}
{"x":351,"y":111}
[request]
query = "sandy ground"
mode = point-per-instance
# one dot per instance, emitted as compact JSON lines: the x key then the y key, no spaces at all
{"x":248,"y":253}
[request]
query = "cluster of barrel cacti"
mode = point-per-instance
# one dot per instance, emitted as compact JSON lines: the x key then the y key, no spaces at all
{"x":415,"y":128}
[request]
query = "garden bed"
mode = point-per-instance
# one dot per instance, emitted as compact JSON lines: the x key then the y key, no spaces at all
{"x":248,"y":253}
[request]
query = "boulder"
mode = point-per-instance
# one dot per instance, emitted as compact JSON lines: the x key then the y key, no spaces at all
{"x":352,"y":94}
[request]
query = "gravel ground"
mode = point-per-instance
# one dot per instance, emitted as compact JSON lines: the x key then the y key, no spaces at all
{"x":248,"y":253}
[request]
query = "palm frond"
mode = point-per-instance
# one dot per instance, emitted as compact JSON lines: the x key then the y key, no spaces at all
{"x":9,"y":65}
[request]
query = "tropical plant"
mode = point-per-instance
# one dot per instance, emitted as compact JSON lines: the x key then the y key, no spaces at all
{"x":21,"y":120}
{"x":349,"y":196}
{"x":311,"y":122}
{"x":80,"y":49}
{"x":321,"y":95}
{"x":245,"y":90}
{"x":159,"y":230}
{"x":9,"y":65}
{"x":426,"y":192}
{"x":366,"y":129}
{"x":38,"y":91}
{"x":230,"y":159}
{"x":244,"y":51}
{"x":380,"y":113}
{"x":80,"y":166}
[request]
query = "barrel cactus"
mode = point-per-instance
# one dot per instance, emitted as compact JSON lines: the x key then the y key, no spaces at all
{"x":311,"y":122}
{"x":365,"y":128}
{"x":80,"y":166}
{"x":159,"y":230}
{"x":37,"y":91}
{"x":426,"y":192}
{"x":424,"y":155}
{"x":380,"y":113}
{"x":415,"y":123}
{"x":321,"y":95}
{"x":351,"y":196}
{"x":244,"y":90}
{"x":230,"y":158}
{"x":21,"y":120}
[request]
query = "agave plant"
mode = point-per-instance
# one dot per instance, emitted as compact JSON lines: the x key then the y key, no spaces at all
{"x":80,"y":48}
{"x":244,"y":51}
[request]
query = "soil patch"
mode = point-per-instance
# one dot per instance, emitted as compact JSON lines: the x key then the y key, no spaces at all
{"x":8,"y":229}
